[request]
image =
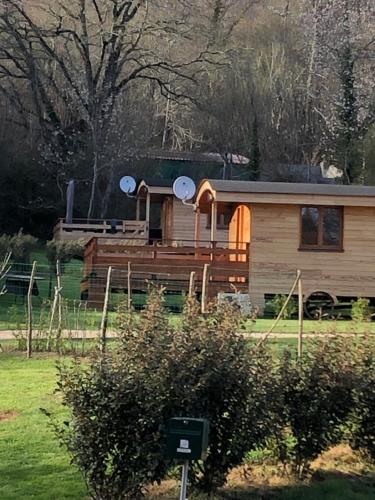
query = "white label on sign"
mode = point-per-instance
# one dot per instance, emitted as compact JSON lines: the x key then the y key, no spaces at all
{"x":184,"y":443}
{"x":183,"y":450}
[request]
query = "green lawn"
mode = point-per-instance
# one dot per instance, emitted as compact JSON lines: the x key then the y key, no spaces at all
{"x":32,"y":465}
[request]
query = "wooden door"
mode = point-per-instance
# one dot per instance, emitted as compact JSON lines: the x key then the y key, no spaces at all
{"x":166,"y":219}
{"x":240,"y":231}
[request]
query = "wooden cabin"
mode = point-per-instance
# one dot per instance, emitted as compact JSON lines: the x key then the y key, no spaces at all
{"x":172,"y":222}
{"x":326,"y":231}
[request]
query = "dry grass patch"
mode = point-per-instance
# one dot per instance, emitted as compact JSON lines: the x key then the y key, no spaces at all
{"x":8,"y":415}
{"x":268,"y":481}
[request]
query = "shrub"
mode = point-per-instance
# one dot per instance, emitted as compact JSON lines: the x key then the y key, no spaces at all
{"x":121,"y":402}
{"x":117,"y":409}
{"x":211,"y":372}
{"x":65,"y":251}
{"x":315,"y":399}
{"x":21,"y":246}
{"x":363,"y":422}
{"x":277,"y":303}
{"x":361,"y":309}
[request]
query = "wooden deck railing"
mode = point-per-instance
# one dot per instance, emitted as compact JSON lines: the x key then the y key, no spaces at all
{"x":83,"y":229}
{"x":170,"y":265}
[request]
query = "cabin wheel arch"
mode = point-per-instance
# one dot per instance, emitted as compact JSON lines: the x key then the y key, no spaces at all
{"x":319,"y":302}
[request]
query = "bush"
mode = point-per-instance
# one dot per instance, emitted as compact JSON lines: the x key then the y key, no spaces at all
{"x":277,"y":303}
{"x":211,"y":372}
{"x":121,"y":402}
{"x":117,"y":410}
{"x":361,"y":310}
{"x":21,"y":246}
{"x":363,"y":421}
{"x":316,"y":396}
{"x":65,"y":251}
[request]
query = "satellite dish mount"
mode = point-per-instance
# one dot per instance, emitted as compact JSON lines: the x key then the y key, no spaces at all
{"x":184,"y":189}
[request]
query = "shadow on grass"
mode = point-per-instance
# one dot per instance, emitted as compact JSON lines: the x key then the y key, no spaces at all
{"x":324,"y":485}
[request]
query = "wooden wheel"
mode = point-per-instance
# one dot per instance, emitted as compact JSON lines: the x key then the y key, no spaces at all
{"x":319,"y":305}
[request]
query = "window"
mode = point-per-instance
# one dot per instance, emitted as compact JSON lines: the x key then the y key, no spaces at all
{"x":223,"y":220}
{"x":321,"y":228}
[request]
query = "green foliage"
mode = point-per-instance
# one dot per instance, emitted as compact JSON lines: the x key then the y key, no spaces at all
{"x":117,"y":407}
{"x":121,"y":402}
{"x":361,"y":310}
{"x":21,"y":246}
{"x":363,"y":421}
{"x":277,"y":303}
{"x":315,"y":399}
{"x":65,"y":251}
{"x":211,"y":372}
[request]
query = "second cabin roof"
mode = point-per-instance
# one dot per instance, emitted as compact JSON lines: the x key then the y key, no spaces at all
{"x":285,"y":192}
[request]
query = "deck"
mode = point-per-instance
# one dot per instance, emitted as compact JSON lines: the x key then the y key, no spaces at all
{"x":169,"y":265}
{"x":82,"y":229}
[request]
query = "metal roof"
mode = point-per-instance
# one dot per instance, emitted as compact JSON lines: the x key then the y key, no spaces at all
{"x":289,"y":188}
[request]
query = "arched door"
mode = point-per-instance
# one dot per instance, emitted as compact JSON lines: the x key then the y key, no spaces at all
{"x":240,"y":231}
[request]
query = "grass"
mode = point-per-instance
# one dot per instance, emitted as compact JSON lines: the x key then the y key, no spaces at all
{"x":32,"y":465}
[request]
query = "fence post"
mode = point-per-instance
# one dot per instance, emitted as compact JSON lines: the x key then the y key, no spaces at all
{"x":103,"y":327}
{"x":192,"y":284}
{"x":300,"y":314}
{"x":58,"y":282}
{"x":129,"y":286}
{"x":30,"y":311}
{"x":204,"y":288}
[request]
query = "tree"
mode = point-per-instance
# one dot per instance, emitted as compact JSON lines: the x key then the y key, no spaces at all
{"x":72,"y":65}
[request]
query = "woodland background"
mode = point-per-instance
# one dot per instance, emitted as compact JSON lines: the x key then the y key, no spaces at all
{"x":89,"y":86}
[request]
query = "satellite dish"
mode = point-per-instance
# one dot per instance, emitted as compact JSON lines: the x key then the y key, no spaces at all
{"x":184,"y":188}
{"x":128,"y":184}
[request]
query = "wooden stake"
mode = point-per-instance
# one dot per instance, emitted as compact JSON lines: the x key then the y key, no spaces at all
{"x":129,"y":286}
{"x":53,"y":312}
{"x":266,"y":335}
{"x":204,"y":288}
{"x":192,"y":284}
{"x":30,"y":311}
{"x":300,"y":314}
{"x":58,"y":281}
{"x":103,"y":327}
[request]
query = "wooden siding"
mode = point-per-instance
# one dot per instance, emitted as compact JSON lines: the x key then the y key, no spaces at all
{"x":296,"y":199}
{"x":183,"y":220}
{"x":275,"y":256}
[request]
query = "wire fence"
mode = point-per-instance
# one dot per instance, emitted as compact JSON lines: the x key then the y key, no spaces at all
{"x":81,"y":294}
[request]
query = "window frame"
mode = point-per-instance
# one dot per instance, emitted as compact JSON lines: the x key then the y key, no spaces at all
{"x":320,"y":247}
{"x":220,"y":225}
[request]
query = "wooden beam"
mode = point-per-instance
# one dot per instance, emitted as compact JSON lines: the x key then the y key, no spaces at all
{"x":148,"y":207}
{"x":213,"y":221}
{"x":197,"y":231}
{"x":138,"y":209}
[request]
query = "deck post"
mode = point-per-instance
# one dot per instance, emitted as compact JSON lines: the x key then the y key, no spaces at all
{"x":148,"y":203}
{"x":213,"y":221}
{"x":197,"y":227}
{"x":138,"y":209}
